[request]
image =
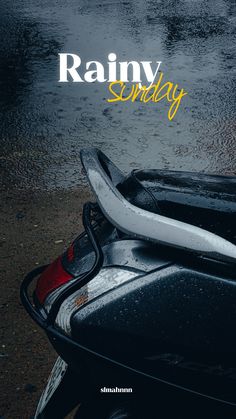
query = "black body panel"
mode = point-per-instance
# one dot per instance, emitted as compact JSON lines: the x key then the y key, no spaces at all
{"x":137,"y":255}
{"x":175,"y":324}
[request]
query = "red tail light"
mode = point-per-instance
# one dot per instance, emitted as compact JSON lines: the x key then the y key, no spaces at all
{"x":53,"y":277}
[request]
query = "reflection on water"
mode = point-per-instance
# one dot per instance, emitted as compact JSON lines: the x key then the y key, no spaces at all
{"x":45,"y":123}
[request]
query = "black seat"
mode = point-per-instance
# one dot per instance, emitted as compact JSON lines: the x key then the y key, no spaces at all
{"x":207,"y":201}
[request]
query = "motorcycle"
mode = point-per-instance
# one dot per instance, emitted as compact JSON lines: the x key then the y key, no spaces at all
{"x":141,"y":307}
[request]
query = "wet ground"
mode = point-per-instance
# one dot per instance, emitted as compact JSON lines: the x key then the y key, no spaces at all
{"x":35,"y":228}
{"x":44,"y":124}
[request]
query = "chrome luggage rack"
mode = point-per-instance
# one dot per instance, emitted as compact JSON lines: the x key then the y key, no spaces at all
{"x":144,"y":224}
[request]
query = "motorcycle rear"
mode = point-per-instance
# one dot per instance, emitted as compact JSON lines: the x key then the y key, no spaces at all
{"x":141,"y":307}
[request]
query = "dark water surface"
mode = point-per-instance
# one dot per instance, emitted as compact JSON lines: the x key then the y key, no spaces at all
{"x":45,"y":123}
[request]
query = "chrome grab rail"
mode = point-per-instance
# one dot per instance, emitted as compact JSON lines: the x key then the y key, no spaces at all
{"x":147,"y":225}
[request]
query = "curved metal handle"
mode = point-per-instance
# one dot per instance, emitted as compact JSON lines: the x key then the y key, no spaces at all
{"x":147,"y":225}
{"x":109,"y":168}
{"x":31,"y":310}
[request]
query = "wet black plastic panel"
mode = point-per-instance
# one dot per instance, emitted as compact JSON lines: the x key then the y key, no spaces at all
{"x":175,"y":324}
{"x":134,"y":254}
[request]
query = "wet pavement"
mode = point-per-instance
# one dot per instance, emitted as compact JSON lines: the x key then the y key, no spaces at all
{"x":35,"y":228}
{"x":45,"y":123}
